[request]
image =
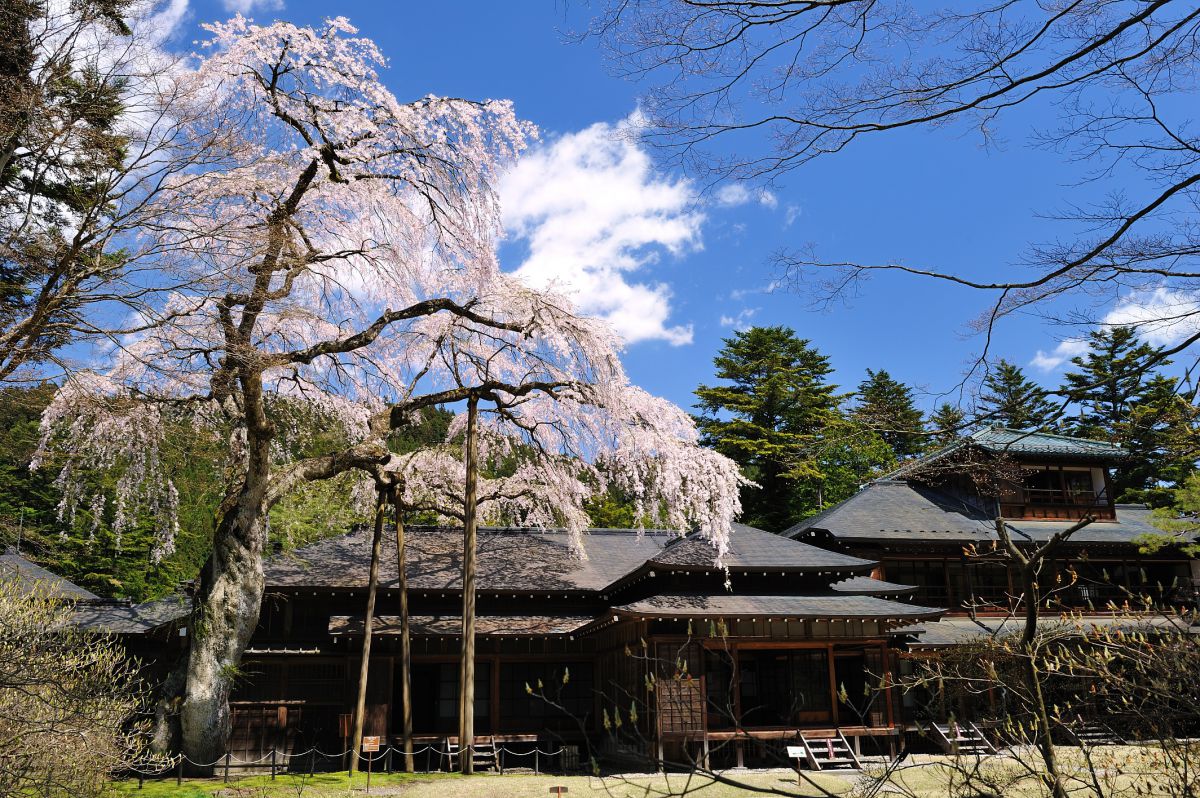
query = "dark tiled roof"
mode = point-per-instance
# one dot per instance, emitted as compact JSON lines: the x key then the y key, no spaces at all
{"x":537,"y":561}
{"x":490,"y":625}
{"x":897,"y":509}
{"x":116,"y":617}
{"x":1001,"y":440}
{"x":1011,"y":441}
{"x":869,"y":586}
{"x":522,"y":560}
{"x":814,"y":607}
{"x":957,"y":631}
{"x":1133,"y":521}
{"x":34,"y":579}
{"x":756,"y":549}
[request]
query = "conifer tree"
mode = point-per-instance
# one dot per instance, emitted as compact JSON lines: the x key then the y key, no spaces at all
{"x":1109,"y":380}
{"x":885,"y":405}
{"x":1163,"y":439}
{"x":1009,"y":399}
{"x":945,"y":424}
{"x":59,"y":144}
{"x":768,"y":417}
{"x":1122,"y":398}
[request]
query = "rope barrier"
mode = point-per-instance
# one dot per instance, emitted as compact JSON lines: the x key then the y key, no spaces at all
{"x":282,"y":758}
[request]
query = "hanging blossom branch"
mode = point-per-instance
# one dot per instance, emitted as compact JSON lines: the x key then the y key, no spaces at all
{"x":341,"y":266}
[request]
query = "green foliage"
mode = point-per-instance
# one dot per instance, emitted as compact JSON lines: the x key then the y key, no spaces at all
{"x":427,"y":430}
{"x":945,"y":424}
{"x":1110,"y":378}
{"x":611,"y":510}
{"x":777,"y":415}
{"x":1180,"y":521}
{"x":1123,"y":399}
{"x":1011,"y":400}
{"x":89,"y":553}
{"x":59,"y":141}
{"x":886,"y":406}
{"x":317,"y":510}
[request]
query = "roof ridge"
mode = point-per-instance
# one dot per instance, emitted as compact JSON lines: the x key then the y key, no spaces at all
{"x":1045,"y":434}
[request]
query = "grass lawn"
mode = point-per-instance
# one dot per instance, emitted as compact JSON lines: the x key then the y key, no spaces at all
{"x":1136,"y":769}
{"x":480,"y":786}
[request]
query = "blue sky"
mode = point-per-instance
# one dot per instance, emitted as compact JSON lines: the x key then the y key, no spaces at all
{"x":676,"y":271}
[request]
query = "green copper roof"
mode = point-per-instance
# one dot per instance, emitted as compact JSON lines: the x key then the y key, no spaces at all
{"x":1011,"y":441}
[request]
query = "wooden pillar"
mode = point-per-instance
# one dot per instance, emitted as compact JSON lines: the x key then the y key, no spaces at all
{"x":360,"y":705}
{"x":740,"y":745}
{"x":833,"y":683}
{"x":494,"y":703}
{"x":466,"y":671}
{"x":405,"y":637}
{"x":889,"y":664}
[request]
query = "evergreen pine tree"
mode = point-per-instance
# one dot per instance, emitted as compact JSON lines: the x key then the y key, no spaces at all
{"x":1108,"y":381}
{"x":1163,"y":438}
{"x":768,"y":417}
{"x":1009,"y":399}
{"x":945,"y":424}
{"x":59,"y":144}
{"x":1121,"y":398}
{"x":886,"y":406}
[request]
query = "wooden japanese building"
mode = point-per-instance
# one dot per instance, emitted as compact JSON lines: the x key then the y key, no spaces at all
{"x":646,"y":645}
{"x":933,"y":526}
{"x":771,"y":640}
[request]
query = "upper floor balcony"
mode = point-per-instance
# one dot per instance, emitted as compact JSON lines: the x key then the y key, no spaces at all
{"x":1059,"y":493}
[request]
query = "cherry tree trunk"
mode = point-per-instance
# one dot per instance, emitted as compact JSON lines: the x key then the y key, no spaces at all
{"x":226,"y":610}
{"x":225,"y":616}
{"x":466,"y":672}
{"x":364,"y":668}
{"x":405,"y":643}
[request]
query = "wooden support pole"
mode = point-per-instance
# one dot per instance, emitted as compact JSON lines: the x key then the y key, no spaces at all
{"x":405,"y":638}
{"x":360,"y":706}
{"x":466,"y":672}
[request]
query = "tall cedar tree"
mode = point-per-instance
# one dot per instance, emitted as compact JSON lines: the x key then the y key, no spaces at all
{"x":39,"y":102}
{"x":769,"y":417}
{"x":945,"y":424}
{"x":1110,"y":379}
{"x":1011,"y":400}
{"x":1123,"y":400}
{"x":886,"y":406}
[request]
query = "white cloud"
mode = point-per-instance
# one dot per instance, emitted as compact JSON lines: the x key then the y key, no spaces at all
{"x":1049,"y":361}
{"x":733,"y":194}
{"x":741,"y":321}
{"x":1162,"y":317}
{"x":738,"y":294}
{"x":594,"y":211}
{"x":791,"y":214}
{"x":249,"y":6}
{"x":160,"y":22}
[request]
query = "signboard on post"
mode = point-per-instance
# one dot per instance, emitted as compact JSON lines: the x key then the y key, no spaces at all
{"x":797,"y":753}
{"x":558,"y":790}
{"x":370,"y":745}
